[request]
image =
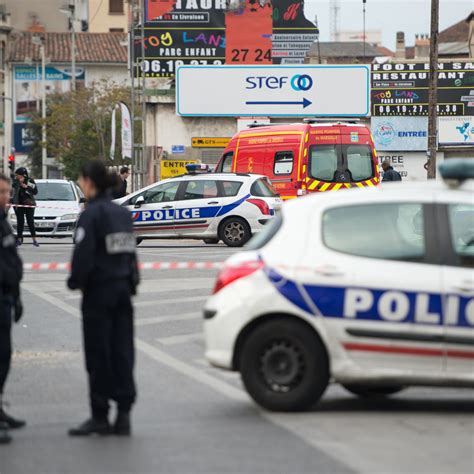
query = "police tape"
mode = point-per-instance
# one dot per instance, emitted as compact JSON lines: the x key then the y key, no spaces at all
{"x":27,"y":206}
{"x":58,"y":266}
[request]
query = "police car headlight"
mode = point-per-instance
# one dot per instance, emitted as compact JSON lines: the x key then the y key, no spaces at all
{"x":69,"y":217}
{"x":12,"y":217}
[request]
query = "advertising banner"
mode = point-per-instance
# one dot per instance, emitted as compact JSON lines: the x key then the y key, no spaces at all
{"x":28,"y":87}
{"x":400,"y":133}
{"x":210,"y":142}
{"x":456,"y":131}
{"x":209,"y":32}
{"x":409,"y":164}
{"x":22,"y":140}
{"x":272,"y":91}
{"x":402,"y":89}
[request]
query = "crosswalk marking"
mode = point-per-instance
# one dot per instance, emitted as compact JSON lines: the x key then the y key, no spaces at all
{"x":180,"y":339}
{"x":166,"y":319}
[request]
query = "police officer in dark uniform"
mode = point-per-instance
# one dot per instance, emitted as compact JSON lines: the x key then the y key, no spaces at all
{"x":11,"y":272}
{"x":104,"y":268}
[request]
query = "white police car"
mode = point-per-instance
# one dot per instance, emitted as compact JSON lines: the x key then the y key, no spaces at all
{"x":372,"y":289}
{"x":229,"y":207}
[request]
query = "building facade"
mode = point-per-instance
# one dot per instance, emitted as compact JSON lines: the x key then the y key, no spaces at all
{"x":107,"y":16}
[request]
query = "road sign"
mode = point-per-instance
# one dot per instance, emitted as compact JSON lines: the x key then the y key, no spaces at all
{"x":177,"y":149}
{"x":210,"y":142}
{"x":273,"y":91}
{"x":171,"y":168}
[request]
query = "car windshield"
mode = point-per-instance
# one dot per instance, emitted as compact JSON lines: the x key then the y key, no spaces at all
{"x":55,"y":192}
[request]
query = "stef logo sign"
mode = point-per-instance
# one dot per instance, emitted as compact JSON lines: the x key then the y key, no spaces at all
{"x":243,"y":91}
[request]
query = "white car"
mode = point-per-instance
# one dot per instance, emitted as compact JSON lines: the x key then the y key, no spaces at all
{"x":229,"y":207}
{"x":59,"y":203}
{"x":372,"y":289}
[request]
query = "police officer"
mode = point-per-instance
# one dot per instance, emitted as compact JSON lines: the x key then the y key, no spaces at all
{"x":104,"y":268}
{"x":11,"y":272}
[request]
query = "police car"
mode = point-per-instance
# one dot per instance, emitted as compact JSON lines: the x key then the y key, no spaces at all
{"x":369,"y":288}
{"x":227,"y":206}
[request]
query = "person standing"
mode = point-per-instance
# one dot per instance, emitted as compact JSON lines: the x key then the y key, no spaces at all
{"x":389,"y":174}
{"x":122,"y":187}
{"x":11,"y":273}
{"x":104,"y":267}
{"x":24,"y":191}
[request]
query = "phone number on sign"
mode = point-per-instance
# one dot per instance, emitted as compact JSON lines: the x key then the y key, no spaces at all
{"x":161,"y":68}
{"x":417,"y":110}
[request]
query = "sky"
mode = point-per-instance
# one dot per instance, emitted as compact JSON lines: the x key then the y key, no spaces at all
{"x":412,"y":16}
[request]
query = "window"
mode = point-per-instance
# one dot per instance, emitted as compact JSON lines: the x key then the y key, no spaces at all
{"x":226,"y":163}
{"x":200,"y":189}
{"x":116,"y":30}
{"x":386,"y":231}
{"x":323,"y":162}
{"x":162,"y":193}
{"x":55,"y":192}
{"x":115,"y":6}
{"x":262,"y":188}
{"x":461,"y":220}
{"x":359,"y":161}
{"x":231,"y":188}
{"x":283,"y":162}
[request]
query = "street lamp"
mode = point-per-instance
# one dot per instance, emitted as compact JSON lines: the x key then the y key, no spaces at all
{"x":70,"y":12}
{"x":363,"y":21}
{"x":39,"y":40}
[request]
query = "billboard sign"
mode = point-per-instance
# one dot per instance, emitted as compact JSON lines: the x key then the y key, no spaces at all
{"x":410,"y":165}
{"x":172,"y":168}
{"x":400,"y":133}
{"x":22,"y":139}
{"x":28,"y":86}
{"x":271,"y":91}
{"x":402,"y":89}
{"x":456,"y":131}
{"x":210,"y":32}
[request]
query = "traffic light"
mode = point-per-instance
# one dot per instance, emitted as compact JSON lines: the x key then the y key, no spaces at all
{"x":11,"y":165}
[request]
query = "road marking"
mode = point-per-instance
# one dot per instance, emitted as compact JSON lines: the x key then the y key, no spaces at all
{"x":180,"y":339}
{"x":167,"y":319}
{"x":176,"y":299}
{"x":332,"y":447}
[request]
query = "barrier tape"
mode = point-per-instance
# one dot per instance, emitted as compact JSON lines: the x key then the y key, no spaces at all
{"x":38,"y":207}
{"x":57,"y":266}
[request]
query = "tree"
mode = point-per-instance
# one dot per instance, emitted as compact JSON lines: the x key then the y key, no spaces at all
{"x":78,"y":126}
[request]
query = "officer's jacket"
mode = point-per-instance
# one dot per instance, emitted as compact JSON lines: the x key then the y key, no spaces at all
{"x":11,"y":266}
{"x":105,"y":246}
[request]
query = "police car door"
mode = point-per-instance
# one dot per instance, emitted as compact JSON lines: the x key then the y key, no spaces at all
{"x":153,"y":210}
{"x":198,"y":204}
{"x":378,"y":288}
{"x":457,"y":229}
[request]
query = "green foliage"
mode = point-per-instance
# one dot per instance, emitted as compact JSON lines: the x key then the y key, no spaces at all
{"x":78,"y":127}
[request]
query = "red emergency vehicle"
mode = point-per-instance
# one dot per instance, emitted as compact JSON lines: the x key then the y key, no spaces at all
{"x":305,"y":157}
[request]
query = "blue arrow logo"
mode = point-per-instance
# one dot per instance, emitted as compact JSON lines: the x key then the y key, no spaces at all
{"x":304,"y":103}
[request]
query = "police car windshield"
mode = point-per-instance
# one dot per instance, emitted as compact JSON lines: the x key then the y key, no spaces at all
{"x":55,"y":192}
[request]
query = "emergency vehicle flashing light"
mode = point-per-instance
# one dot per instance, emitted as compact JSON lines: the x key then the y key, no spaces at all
{"x":458,"y":169}
{"x":194,"y":168}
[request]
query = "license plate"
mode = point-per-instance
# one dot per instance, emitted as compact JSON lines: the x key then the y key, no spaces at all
{"x":44,"y":225}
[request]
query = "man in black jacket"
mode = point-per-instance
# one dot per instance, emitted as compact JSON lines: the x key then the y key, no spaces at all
{"x":389,"y":174}
{"x":11,"y":273}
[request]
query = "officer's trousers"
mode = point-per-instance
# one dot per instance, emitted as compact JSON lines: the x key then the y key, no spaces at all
{"x":109,"y":346}
{"x":5,"y":338}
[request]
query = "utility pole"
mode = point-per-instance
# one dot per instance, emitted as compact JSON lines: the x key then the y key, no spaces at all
{"x":317,"y":39}
{"x":363,"y":21}
{"x":433,"y":92}
{"x":70,"y":12}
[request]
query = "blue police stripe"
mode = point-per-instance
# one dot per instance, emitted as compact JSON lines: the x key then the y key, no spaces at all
{"x":329,"y":302}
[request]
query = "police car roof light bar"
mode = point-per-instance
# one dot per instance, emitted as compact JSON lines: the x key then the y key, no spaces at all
{"x":194,"y":168}
{"x":459,"y":169}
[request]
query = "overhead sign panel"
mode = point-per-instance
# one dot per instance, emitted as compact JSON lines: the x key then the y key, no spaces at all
{"x":400,"y":133}
{"x":273,"y":91}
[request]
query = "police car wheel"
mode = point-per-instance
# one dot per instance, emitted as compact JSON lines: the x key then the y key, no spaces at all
{"x":211,"y":241}
{"x":235,"y":232}
{"x":366,"y":391}
{"x":284,"y":367}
